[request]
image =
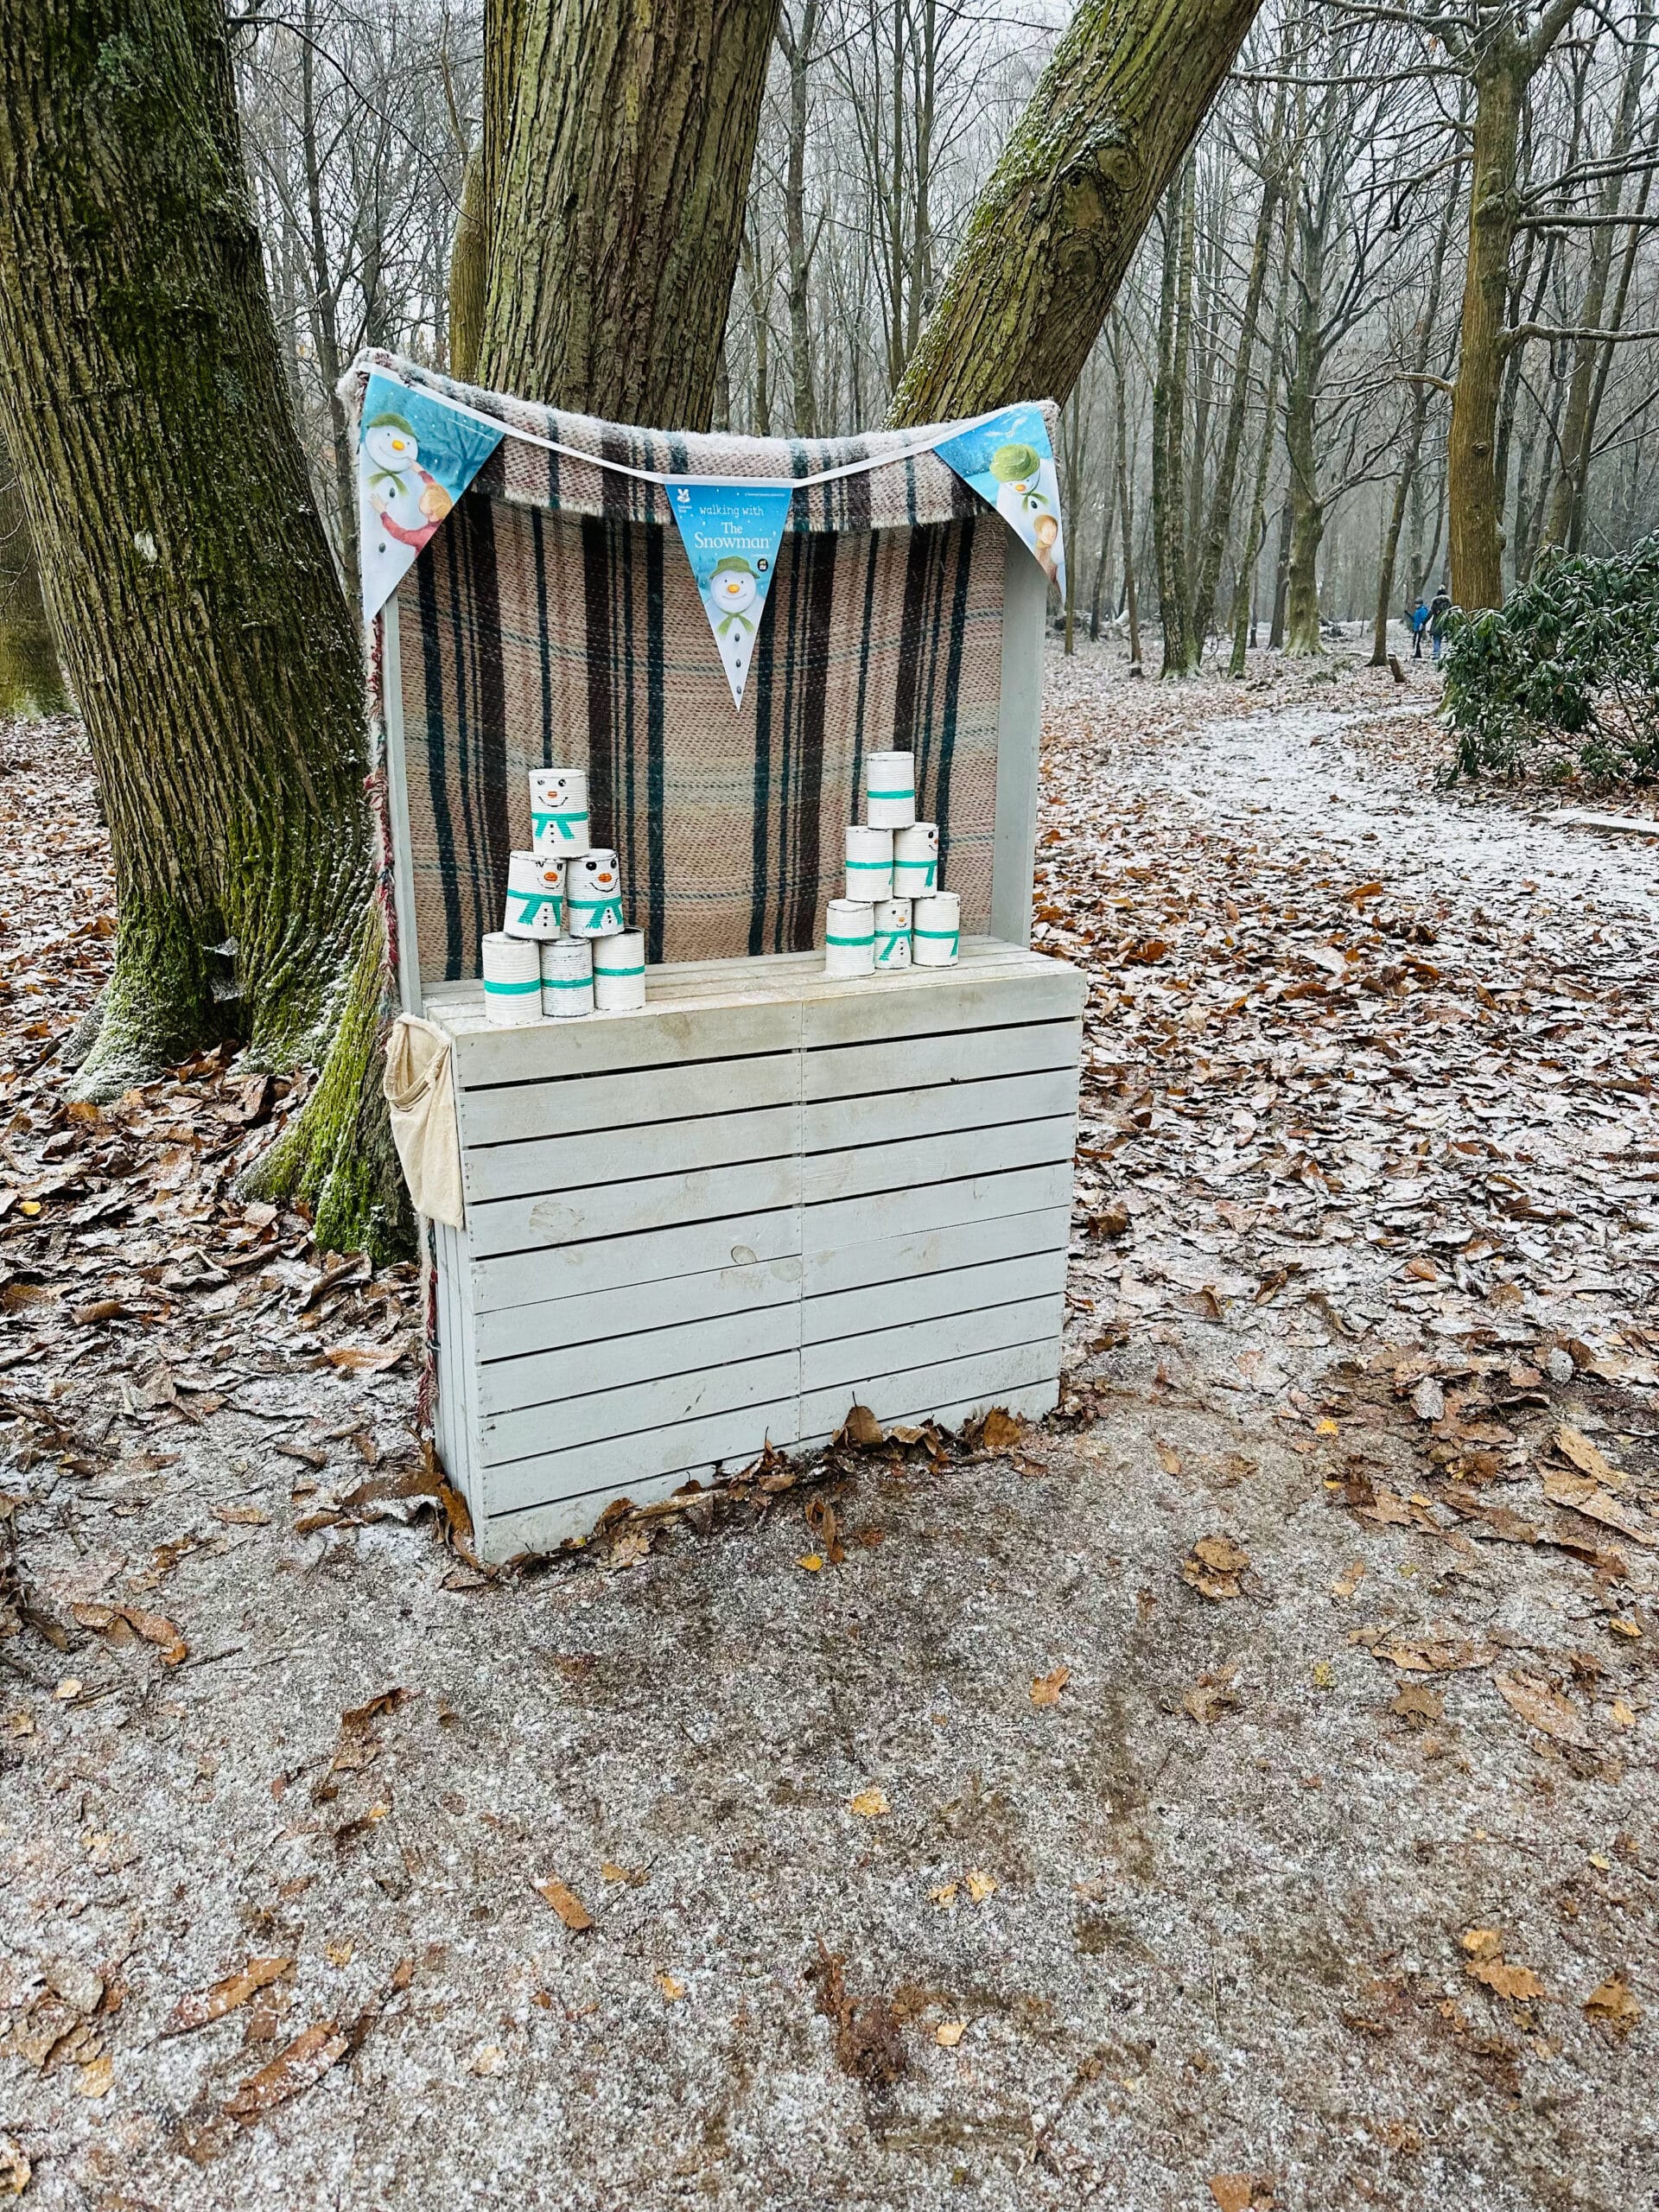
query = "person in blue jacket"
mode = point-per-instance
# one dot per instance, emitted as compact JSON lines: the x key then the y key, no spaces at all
{"x":1418,"y":619}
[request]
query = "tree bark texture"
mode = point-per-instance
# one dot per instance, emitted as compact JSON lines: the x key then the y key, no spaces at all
{"x":187,"y":570}
{"x":1057,"y":226}
{"x":1475,"y":534}
{"x":615,"y":236}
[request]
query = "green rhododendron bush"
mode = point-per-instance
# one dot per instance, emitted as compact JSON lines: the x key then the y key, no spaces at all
{"x":1563,"y":679}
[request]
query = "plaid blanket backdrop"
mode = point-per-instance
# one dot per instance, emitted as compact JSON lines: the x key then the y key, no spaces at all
{"x":553,"y":620}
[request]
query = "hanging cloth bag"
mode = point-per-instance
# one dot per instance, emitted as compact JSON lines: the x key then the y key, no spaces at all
{"x":420,"y":1087}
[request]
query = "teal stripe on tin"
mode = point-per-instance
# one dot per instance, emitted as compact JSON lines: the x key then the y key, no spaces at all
{"x":512,"y":990}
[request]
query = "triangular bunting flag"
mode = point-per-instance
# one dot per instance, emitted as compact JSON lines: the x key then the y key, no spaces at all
{"x":414,"y":458}
{"x":731,"y":533}
{"x":1010,"y":463}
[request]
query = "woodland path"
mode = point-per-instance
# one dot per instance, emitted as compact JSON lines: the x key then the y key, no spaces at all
{"x":1025,"y":1854}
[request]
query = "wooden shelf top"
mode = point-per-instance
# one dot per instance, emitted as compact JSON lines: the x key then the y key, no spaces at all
{"x":775,"y":979}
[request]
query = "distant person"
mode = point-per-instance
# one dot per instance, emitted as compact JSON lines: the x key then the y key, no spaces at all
{"x":1440,"y":614}
{"x":1418,"y":619}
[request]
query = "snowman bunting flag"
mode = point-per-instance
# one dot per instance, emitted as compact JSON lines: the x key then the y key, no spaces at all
{"x":731,"y":533}
{"x":414,"y":458}
{"x":1009,"y":462}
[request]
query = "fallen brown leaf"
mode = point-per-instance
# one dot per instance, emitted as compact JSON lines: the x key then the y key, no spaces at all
{"x":1045,"y":1690}
{"x":1613,"y":2005}
{"x":1242,"y":2192}
{"x":1574,"y":1445}
{"x":1519,"y":1984}
{"x":203,"y":2006}
{"x":1211,"y":1696}
{"x":304,"y":2063}
{"x":567,"y":1904}
{"x":1213,"y":1568}
{"x":861,"y":1429}
{"x":1583,"y":1495}
{"x":1545,"y":1709}
{"x":1000,"y":1431}
{"x":870,"y":1803}
{"x":365,"y":1359}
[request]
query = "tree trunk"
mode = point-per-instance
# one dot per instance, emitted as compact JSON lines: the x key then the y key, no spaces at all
{"x":797,"y":46}
{"x":31,"y":682}
{"x":1476,"y":538}
{"x":617,"y":230}
{"x":1615,"y":321}
{"x":186,"y":569}
{"x":1125,"y":496}
{"x":1280,"y":579}
{"x":1168,"y":430}
{"x":1243,"y":609}
{"x":1422,"y":394}
{"x":1220,"y":522}
{"x":1567,"y":498}
{"x":1055,"y":229}
{"x":469,"y":271}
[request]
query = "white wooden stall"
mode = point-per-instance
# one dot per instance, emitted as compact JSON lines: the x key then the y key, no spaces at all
{"x":724,"y":1220}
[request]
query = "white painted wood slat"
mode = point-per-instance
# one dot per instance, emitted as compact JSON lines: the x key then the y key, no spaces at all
{"x":654,"y":1147}
{"x":615,"y":1262}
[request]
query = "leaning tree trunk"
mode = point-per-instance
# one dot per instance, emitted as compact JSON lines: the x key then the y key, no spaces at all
{"x":187,"y":570}
{"x":1475,"y":524}
{"x":1168,"y":432}
{"x":615,"y":237}
{"x":31,"y":682}
{"x":1058,"y":224}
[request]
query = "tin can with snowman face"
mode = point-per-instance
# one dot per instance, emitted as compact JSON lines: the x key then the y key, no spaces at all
{"x":593,"y":895}
{"x":916,"y":859}
{"x":558,"y":811}
{"x":535,"y":896}
{"x":892,"y":936}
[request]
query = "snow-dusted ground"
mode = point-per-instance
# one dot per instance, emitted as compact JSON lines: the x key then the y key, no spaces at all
{"x":1366,"y":1214}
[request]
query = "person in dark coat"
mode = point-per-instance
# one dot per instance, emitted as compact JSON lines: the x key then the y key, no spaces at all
{"x":1439,"y":615}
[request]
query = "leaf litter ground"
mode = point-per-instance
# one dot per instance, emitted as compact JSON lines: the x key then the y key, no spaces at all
{"x":1237,"y":1792}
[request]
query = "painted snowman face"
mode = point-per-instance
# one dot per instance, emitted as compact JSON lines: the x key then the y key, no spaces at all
{"x":595,"y":873}
{"x":555,"y":792}
{"x":391,"y":448}
{"x":550,"y":873}
{"x":925,"y":834}
{"x":734,"y":591}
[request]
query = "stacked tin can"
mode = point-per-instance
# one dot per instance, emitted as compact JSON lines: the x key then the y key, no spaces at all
{"x":564,"y":948}
{"x":895,"y":914}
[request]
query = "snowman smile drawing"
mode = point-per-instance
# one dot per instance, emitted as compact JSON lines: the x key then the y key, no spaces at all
{"x":408,"y":502}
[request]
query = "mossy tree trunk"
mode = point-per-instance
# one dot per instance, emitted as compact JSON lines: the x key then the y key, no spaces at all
{"x":1169,"y":428}
{"x":186,"y":568}
{"x":614,"y":235}
{"x":1056,"y":228}
{"x":187,"y":571}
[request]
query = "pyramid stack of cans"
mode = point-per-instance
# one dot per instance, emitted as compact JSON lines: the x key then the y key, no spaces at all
{"x":564,"y":948}
{"x":895,"y":913}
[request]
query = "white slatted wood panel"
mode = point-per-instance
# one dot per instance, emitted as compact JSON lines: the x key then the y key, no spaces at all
{"x":720,"y":1221}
